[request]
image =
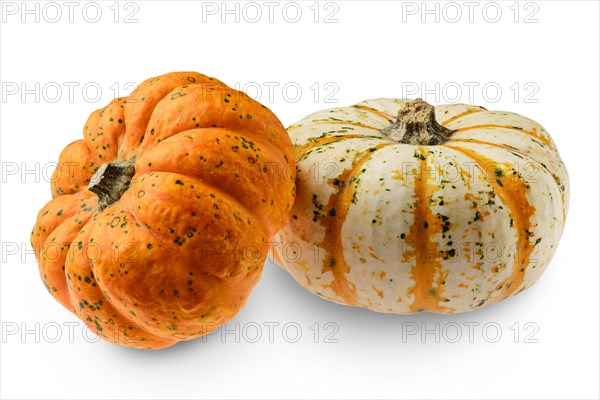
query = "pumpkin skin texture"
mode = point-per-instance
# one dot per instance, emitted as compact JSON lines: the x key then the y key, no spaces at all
{"x":459,"y":214}
{"x":199,"y":182}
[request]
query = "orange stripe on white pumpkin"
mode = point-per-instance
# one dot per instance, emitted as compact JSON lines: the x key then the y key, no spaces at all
{"x":376,"y":112}
{"x":512,"y":193}
{"x":463,"y":114}
{"x":302,"y":151}
{"x":533,"y":132}
{"x":340,"y":202}
{"x":522,"y":154}
{"x":427,"y":270}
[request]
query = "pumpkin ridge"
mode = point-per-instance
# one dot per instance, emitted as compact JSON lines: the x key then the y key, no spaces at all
{"x":103,"y":131}
{"x":306,"y":149}
{"x":374,"y":111}
{"x":219,"y":114}
{"x":533,"y":133}
{"x":256,"y":139}
{"x":222,"y":186}
{"x":74,"y":182}
{"x":46,"y":270}
{"x":175,"y":80}
{"x":540,"y":165}
{"x":129,"y":206}
{"x":351,"y":123}
{"x":514,"y":198}
{"x":341,"y":200}
{"x":502,"y":146}
{"x":77,"y":297}
{"x":122,"y":309}
{"x":226,"y":131}
{"x":115,"y":311}
{"x":459,"y":142}
{"x":463,"y":114}
{"x":64,"y":215}
{"x":427,"y":290}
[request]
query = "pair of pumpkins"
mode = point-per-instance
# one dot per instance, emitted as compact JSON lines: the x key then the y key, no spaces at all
{"x":161,"y":215}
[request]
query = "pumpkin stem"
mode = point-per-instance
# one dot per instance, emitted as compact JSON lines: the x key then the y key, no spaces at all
{"x":416,"y":125}
{"x":111,"y":181}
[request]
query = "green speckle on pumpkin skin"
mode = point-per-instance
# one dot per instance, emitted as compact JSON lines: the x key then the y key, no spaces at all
{"x":340,"y":184}
{"x":115,"y":221}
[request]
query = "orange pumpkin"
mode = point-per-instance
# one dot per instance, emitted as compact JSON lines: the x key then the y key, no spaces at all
{"x":160,"y":217}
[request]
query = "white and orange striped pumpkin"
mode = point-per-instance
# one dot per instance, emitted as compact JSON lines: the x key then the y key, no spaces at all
{"x":404,"y":207}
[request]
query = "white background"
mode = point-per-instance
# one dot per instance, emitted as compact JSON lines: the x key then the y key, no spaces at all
{"x":375,"y":49}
